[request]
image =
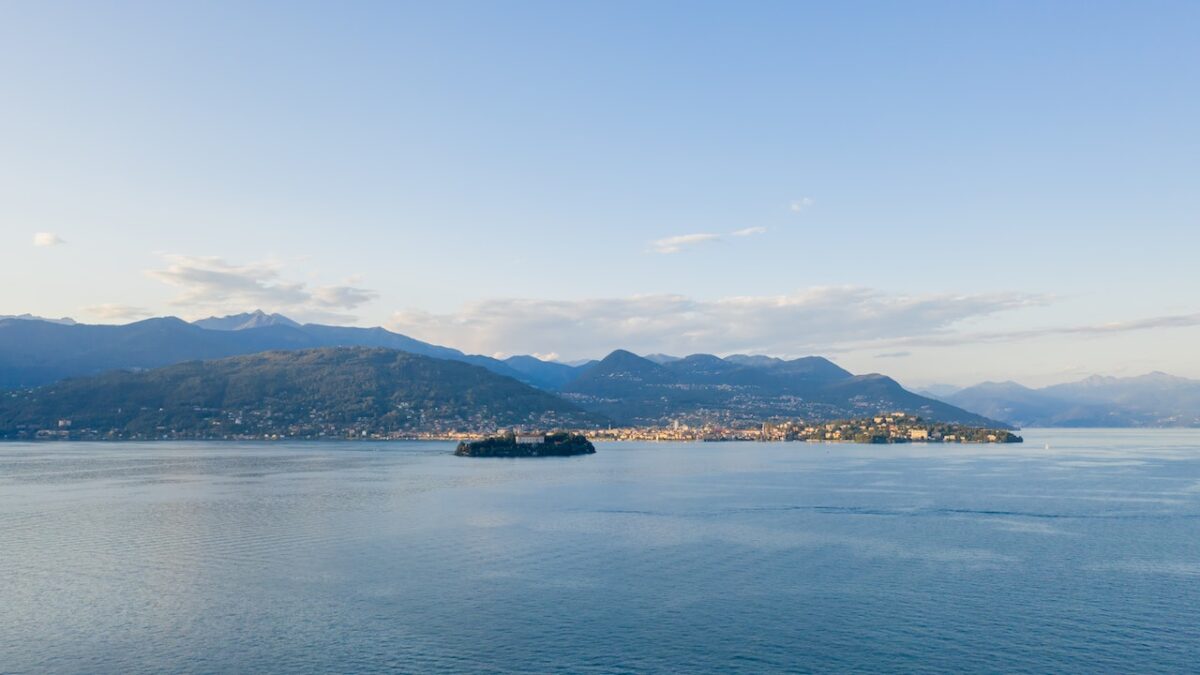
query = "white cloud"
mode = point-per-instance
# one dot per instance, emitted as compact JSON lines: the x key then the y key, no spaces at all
{"x":115,"y":312}
{"x":1086,"y":330}
{"x":746,"y":232}
{"x":47,"y":239}
{"x":347,"y":297}
{"x":678,"y":243}
{"x":801,"y":204}
{"x":814,"y":320}
{"x":210,"y":285}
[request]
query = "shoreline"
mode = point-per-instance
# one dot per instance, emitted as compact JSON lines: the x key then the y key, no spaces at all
{"x":459,"y":439}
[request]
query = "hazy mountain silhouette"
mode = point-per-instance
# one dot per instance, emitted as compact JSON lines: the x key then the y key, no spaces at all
{"x":1154,"y":399}
{"x":255,"y":319}
{"x":34,"y":352}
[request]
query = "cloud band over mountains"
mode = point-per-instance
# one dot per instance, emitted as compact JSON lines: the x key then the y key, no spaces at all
{"x":1086,"y":330}
{"x":803,"y":322}
{"x":213,"y":285}
{"x":824,"y":319}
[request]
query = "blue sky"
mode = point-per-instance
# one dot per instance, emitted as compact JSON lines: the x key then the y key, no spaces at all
{"x":939,"y":191}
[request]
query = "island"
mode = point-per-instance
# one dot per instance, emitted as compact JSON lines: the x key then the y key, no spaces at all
{"x":561,"y":444}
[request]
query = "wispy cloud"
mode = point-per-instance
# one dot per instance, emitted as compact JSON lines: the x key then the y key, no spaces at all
{"x":812,"y":320}
{"x":115,"y":312}
{"x":683,"y":241}
{"x":893,"y":355}
{"x":801,"y":204}
{"x":1084,"y":330}
{"x":336,"y":297}
{"x":47,"y":239}
{"x":678,"y":243}
{"x":746,"y":232}
{"x":212,"y":285}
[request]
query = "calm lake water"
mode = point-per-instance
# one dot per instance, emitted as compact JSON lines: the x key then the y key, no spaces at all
{"x":367,"y":557}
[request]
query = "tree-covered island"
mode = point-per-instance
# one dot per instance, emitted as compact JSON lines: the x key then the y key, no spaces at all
{"x":559,"y":444}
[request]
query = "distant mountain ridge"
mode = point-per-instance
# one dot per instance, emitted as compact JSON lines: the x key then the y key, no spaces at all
{"x":1152,"y":400}
{"x":35,"y":352}
{"x":66,"y":321}
{"x":547,"y":374}
{"x":255,"y":319}
{"x":623,"y":386}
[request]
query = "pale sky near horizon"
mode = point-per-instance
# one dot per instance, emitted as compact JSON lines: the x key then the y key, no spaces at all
{"x":940,"y":191}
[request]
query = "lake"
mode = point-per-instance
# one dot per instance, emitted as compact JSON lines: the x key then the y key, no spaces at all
{"x":1078,"y":551}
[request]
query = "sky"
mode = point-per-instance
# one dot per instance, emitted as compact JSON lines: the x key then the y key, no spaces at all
{"x":945,"y":192}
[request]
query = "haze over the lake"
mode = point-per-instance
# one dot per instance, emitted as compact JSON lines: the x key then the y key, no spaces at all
{"x":943,"y":192}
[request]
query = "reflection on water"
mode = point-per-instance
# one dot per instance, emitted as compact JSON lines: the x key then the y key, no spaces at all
{"x":644,"y":557}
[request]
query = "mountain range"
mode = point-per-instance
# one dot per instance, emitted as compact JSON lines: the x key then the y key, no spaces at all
{"x":623,"y":388}
{"x":35,"y":352}
{"x":1151,"y":400}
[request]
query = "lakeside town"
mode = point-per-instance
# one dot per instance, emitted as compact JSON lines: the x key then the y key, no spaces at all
{"x":898,"y":427}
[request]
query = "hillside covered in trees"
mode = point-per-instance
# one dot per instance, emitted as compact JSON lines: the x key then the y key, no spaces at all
{"x":332,"y":392}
